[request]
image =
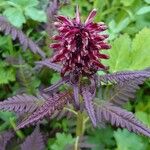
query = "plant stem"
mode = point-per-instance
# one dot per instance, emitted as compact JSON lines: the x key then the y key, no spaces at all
{"x":18,"y":132}
{"x":79,"y":128}
{"x":76,"y":143}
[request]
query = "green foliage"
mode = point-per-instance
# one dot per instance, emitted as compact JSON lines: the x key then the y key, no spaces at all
{"x":62,"y":141}
{"x":18,"y":11}
{"x":144,"y":117}
{"x":103,"y":139}
{"x":140,"y":50}
{"x":127,"y":54}
{"x":128,"y":141}
{"x":143,"y":10}
{"x":7,"y":74}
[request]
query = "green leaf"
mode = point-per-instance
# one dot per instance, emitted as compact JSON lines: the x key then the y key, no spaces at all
{"x":25,"y":3}
{"x":15,"y":16}
{"x":100,"y":138}
{"x":143,"y":10}
{"x":62,"y":141}
{"x":6,"y":75}
{"x":35,"y":14}
{"x":127,"y":2}
{"x":140,"y":53}
{"x":55,"y":78}
{"x":130,"y":55}
{"x":144,"y":117}
{"x":128,"y":141}
{"x":147,"y":1}
{"x":119,"y":54}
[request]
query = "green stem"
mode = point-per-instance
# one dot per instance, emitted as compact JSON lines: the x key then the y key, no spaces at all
{"x":76,"y":143}
{"x":18,"y":132}
{"x":80,"y":128}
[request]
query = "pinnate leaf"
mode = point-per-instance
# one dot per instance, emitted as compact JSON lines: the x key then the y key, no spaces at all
{"x":34,"y":141}
{"x":52,"y":103}
{"x":121,"y":118}
{"x":88,"y":98}
{"x":21,"y":103}
{"x":4,"y":139}
{"x":16,"y":33}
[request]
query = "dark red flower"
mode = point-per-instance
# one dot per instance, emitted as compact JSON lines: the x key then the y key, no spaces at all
{"x":79,"y":45}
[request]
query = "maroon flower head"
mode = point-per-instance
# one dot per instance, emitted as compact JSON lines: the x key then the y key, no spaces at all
{"x":79,"y":44}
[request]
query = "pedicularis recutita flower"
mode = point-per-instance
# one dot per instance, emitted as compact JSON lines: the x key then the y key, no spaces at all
{"x":79,"y":45}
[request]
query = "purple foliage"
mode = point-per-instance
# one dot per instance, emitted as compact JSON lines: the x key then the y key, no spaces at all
{"x":53,"y":103}
{"x":120,"y":118}
{"x":22,"y":103}
{"x":26,"y":42}
{"x":49,"y":64}
{"x":4,"y":139}
{"x":120,"y":94}
{"x":122,"y":77}
{"x":88,"y":101}
{"x":34,"y":141}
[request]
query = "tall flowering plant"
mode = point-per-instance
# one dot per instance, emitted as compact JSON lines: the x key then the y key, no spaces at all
{"x":78,"y":51}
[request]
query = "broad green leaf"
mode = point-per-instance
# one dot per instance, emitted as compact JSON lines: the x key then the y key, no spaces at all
{"x":127,"y":2}
{"x":143,"y":10}
{"x":140,"y":54}
{"x":25,"y":3}
{"x":147,"y":1}
{"x":128,"y":141}
{"x":15,"y":16}
{"x":35,"y":14}
{"x":119,"y":54}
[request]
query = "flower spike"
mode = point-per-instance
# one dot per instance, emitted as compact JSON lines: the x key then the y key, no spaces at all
{"x":78,"y":45}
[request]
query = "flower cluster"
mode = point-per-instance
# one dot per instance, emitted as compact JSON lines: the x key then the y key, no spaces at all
{"x":79,"y":45}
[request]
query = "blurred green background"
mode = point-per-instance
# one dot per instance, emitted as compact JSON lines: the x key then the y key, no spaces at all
{"x":129,"y":30}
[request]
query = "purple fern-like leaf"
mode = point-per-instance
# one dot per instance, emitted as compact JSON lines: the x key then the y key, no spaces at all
{"x":120,"y":94}
{"x":4,"y":139}
{"x":88,"y":102}
{"x":22,"y":103}
{"x":26,"y":42}
{"x":120,"y":118}
{"x":34,"y":141}
{"x":121,"y":77}
{"x":58,"y":84}
{"x":53,"y":103}
{"x":49,"y":64}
